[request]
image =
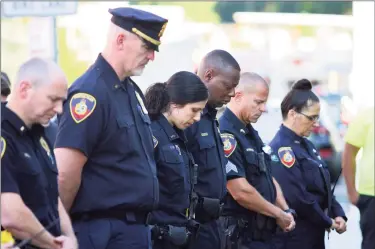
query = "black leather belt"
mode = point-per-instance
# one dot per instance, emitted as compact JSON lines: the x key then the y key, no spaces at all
{"x":136,"y":217}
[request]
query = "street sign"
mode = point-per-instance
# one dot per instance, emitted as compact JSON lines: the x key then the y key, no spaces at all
{"x":38,"y":8}
{"x":42,"y":27}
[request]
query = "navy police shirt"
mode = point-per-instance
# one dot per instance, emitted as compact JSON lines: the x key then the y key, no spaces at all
{"x":205,"y":144}
{"x":244,"y":149}
{"x":28,"y":168}
{"x":304,"y":178}
{"x":173,"y":170}
{"x":107,"y":121}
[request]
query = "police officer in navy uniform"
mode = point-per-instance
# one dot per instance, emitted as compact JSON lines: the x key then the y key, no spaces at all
{"x":5,"y":87}
{"x":302,"y":173}
{"x":220,"y":72}
{"x":50,"y":128}
{"x":30,"y":203}
{"x":104,"y":146}
{"x":173,"y":106}
{"x":255,"y":203}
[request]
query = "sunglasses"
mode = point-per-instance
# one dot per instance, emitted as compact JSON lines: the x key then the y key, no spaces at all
{"x":313,"y":118}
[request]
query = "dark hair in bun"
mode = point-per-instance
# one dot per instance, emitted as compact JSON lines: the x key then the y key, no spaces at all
{"x":299,"y":97}
{"x":181,"y":88}
{"x":303,"y":84}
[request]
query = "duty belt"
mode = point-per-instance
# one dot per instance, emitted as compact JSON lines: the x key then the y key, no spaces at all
{"x":136,"y":217}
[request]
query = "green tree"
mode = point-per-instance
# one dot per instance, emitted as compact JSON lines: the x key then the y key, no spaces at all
{"x":67,"y":59}
{"x":226,"y":9}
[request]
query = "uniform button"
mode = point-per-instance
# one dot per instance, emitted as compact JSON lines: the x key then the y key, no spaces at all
{"x":22,"y":128}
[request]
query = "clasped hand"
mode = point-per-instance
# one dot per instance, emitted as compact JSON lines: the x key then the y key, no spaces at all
{"x":286,"y":221}
{"x":338,"y":224}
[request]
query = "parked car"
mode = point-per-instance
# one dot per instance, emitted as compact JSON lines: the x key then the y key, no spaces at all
{"x":321,"y":138}
{"x":328,"y":136}
{"x":336,"y":112}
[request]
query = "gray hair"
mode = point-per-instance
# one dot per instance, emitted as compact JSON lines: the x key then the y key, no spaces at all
{"x":38,"y":71}
{"x":249,"y":80}
{"x":114,"y":31}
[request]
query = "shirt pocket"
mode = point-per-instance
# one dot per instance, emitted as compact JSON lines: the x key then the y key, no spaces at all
{"x":207,"y":147}
{"x":313,"y":176}
{"x":125,"y":121}
{"x":252,"y":168}
{"x":251,"y":159}
{"x":171,"y":169}
{"x":125,"y":135}
{"x":31,"y":180}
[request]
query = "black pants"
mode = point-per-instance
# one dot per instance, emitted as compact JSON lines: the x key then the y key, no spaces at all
{"x":163,"y":244}
{"x":209,"y":236}
{"x":366,"y":206}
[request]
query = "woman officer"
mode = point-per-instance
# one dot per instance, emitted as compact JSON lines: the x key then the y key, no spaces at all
{"x":174,"y":106}
{"x":302,"y":174}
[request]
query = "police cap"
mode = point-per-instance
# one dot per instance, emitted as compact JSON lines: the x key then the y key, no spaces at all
{"x":148,"y":26}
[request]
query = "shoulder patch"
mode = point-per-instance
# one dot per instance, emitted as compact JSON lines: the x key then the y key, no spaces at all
{"x":230,"y":143}
{"x":287,"y":156}
{"x":3,"y":146}
{"x":155,"y":141}
{"x":81,"y":106}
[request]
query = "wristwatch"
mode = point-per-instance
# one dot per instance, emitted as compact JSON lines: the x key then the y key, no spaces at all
{"x":291,"y":211}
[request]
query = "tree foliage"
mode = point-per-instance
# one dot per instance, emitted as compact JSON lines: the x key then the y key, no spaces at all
{"x":226,"y":9}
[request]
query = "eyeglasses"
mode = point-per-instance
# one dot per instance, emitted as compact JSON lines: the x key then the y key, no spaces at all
{"x":313,"y":118}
